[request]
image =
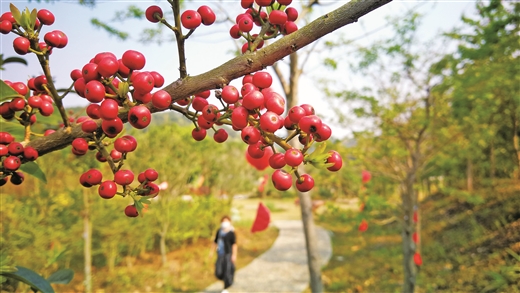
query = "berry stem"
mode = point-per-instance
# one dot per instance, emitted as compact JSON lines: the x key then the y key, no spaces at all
{"x":51,"y":89}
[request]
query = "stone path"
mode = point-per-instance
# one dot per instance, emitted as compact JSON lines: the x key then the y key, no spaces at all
{"x":282,"y":268}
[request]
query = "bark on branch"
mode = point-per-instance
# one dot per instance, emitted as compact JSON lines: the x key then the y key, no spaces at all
{"x":236,"y":67}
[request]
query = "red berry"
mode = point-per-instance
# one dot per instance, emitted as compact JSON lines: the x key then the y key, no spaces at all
{"x":247,"y":88}
{"x":89,"y":126}
{"x":262,"y":79}
{"x":256,"y":150}
{"x":191,"y":19}
{"x":5,"y":27}
{"x":20,"y":88}
{"x":108,"y":66}
{"x":3,"y":150}
{"x":292,"y":14}
{"x":116,"y":156}
{"x":133,"y":60}
{"x":309,"y":110}
{"x":12,"y":163}
{"x":207,"y":15}
{"x":296,"y":113}
{"x":253,"y":100}
{"x":93,"y":177}
{"x":230,"y":94}
{"x":161,"y":100}
{"x":335,"y":158}
{"x":203,"y":123}
{"x":199,"y":103}
{"x":139,"y":117}
{"x":220,"y":135}
{"x":304,"y":183}
{"x":131,"y":211}
{"x":123,"y":70}
{"x":284,"y":2}
{"x":79,"y":86}
{"x":94,"y":91}
{"x":277,"y":17}
{"x":34,"y":101}
{"x":124,"y":177}
{"x":274,"y":102}
{"x":125,"y":144}
{"x":80,"y":145}
{"x":210,"y":113}
{"x":90,"y":72}
{"x":108,"y":109}
{"x":143,"y":82}
{"x":293,"y":157}
{"x":151,"y":174}
{"x":234,"y":32}
{"x":17,"y":104}
{"x":21,"y":45}
{"x":107,"y":189}
{"x":198,"y":134}
{"x":93,"y":111}
{"x":323,"y":133}
{"x":245,"y":24}
{"x":246,"y":3}
{"x":250,"y":135}
{"x":6,"y":138}
{"x":281,"y":180}
{"x":264,"y":3}
{"x":157,"y":78}
{"x":46,"y":108}
{"x":15,"y":148}
{"x":270,"y":121}
{"x":154,"y":13}
{"x":239,"y":117}
{"x":112,"y":127}
{"x":277,"y":161}
{"x":289,"y":27}
{"x":310,"y":124}
{"x":45,"y":16}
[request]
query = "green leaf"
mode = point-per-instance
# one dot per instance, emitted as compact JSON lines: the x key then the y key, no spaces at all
{"x":14,"y":60}
{"x":34,"y":15}
{"x":7,"y":92}
{"x":145,"y":200}
{"x":26,"y":15}
{"x":7,"y":269}
{"x":30,"y":278}
{"x":16,"y":13}
{"x":33,"y":169}
{"x":63,"y":276}
{"x":15,"y":129}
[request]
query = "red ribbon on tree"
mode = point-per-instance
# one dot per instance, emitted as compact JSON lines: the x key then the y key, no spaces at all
{"x":363,"y":226}
{"x":262,"y":220}
{"x":365,"y":176}
{"x":417,"y":259}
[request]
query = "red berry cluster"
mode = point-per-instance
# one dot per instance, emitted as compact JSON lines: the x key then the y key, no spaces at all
{"x":38,"y":100}
{"x":111,"y":84}
{"x":278,"y":20}
{"x":20,"y":24}
{"x":256,"y":111}
{"x":190,"y":19}
{"x":12,"y":155}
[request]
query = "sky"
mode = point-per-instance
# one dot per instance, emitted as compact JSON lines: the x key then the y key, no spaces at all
{"x":208,"y":47}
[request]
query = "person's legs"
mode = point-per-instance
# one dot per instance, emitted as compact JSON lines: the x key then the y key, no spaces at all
{"x":220,"y":268}
{"x":229,"y":272}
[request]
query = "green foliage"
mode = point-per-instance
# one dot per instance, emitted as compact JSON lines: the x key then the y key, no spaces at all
{"x":31,"y":278}
{"x":5,"y":61}
{"x":33,"y":169}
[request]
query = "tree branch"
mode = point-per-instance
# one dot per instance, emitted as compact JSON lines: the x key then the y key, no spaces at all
{"x":236,"y":67}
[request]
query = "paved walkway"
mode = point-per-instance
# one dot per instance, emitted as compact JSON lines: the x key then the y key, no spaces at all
{"x":283,"y":268}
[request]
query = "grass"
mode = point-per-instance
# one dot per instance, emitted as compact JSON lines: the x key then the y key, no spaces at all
{"x":468,"y":245}
{"x":188,"y":269}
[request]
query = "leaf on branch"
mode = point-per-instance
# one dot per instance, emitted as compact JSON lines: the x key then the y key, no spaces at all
{"x":30,"y":278}
{"x":16,"y":13}
{"x":330,"y":63}
{"x":111,"y":30}
{"x":7,"y":92}
{"x":13,"y":60}
{"x":63,"y":276}
{"x":33,"y":169}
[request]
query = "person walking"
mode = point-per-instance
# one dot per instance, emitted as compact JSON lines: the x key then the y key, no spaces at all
{"x":226,"y":247}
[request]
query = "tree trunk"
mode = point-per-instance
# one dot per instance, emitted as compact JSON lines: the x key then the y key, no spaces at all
{"x":469,"y":175}
{"x":87,"y":235}
{"x":516,"y":145}
{"x":162,"y":243}
{"x":409,"y":204}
